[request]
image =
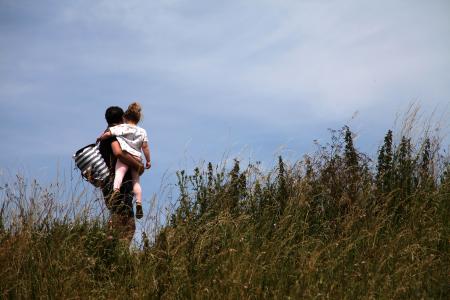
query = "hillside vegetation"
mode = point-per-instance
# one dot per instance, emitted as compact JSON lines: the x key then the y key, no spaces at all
{"x":335,"y":224}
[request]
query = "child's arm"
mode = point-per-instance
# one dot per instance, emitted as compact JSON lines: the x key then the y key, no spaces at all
{"x":105,"y":135}
{"x":146,"y":151}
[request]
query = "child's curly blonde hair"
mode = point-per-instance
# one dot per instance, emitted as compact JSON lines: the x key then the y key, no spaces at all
{"x":133,"y":113}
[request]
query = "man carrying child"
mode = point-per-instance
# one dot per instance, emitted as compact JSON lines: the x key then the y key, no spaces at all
{"x":120,"y":204}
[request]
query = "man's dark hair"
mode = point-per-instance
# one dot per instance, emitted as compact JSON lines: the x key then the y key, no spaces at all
{"x":113,"y":115}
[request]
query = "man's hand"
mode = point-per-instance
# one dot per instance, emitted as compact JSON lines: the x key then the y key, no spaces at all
{"x":148,"y":165}
{"x":127,"y":158}
{"x":141,"y":170}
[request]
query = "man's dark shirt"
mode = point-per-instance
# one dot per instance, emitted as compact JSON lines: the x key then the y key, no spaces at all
{"x":124,"y":203}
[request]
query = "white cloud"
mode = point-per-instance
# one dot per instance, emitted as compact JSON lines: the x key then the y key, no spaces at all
{"x":277,"y":63}
{"x":335,"y":51}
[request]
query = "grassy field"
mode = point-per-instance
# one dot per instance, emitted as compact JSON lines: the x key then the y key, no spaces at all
{"x":336,"y":224}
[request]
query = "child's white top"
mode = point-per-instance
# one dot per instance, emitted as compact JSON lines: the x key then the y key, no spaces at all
{"x":130,"y":137}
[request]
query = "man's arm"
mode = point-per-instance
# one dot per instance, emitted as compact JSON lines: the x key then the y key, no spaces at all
{"x":126,"y":158}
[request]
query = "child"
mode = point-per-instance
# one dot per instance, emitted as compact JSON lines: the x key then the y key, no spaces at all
{"x":132,"y":139}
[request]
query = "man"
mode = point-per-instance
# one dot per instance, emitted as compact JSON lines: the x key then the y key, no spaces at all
{"x":120,"y":205}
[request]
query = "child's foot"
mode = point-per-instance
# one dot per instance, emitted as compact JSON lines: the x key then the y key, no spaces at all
{"x":139,"y":212}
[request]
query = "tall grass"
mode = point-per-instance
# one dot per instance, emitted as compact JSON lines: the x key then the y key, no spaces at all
{"x":335,"y":224}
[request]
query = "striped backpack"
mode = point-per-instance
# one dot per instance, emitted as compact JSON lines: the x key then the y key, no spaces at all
{"x":92,"y":165}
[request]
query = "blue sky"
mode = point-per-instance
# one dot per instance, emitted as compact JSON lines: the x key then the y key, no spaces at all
{"x":250,"y":79}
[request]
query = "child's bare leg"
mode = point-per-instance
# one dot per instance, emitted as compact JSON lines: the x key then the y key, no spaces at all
{"x":137,"y":190}
{"x":121,"y":169}
{"x":138,"y":193}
